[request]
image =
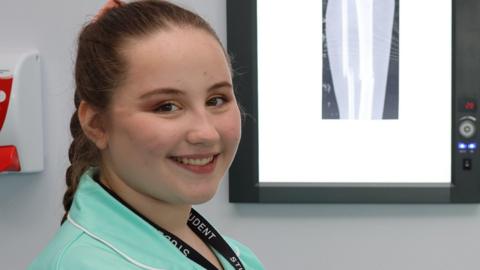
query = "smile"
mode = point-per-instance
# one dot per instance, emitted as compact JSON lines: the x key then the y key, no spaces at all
{"x":199,"y":164}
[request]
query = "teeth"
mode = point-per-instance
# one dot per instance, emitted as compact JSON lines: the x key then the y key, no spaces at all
{"x":198,"y":162}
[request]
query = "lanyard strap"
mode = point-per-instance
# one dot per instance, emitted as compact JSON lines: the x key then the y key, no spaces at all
{"x":187,"y":250}
{"x":201,"y":227}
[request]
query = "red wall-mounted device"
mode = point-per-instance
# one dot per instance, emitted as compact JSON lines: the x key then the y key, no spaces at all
{"x":21,"y":131}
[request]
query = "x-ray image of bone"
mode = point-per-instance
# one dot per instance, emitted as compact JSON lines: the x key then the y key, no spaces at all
{"x":358,"y":38}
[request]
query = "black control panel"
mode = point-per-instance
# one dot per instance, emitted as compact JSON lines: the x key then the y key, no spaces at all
{"x":467,"y":144}
{"x":466,"y":95}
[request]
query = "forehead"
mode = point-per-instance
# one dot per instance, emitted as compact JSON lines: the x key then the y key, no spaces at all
{"x":179,"y":57}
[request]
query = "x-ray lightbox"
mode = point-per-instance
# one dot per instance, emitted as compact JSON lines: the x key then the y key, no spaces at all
{"x":356,"y":101}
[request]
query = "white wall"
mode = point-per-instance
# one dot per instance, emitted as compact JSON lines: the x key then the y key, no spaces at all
{"x":328,"y":237}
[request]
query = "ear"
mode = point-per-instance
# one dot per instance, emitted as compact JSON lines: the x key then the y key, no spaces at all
{"x":93,"y":125}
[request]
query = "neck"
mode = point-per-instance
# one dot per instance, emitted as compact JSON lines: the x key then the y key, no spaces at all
{"x":170,"y":217}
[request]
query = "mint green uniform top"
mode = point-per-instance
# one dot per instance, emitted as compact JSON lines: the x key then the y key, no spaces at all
{"x":102,"y":234}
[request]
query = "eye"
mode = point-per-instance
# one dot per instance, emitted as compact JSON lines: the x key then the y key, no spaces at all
{"x":167,"y":107}
{"x":216,"y":101}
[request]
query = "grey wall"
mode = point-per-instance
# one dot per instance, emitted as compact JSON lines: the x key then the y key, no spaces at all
{"x":330,"y":237}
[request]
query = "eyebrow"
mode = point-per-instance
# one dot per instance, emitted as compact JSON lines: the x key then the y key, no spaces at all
{"x":178,"y":92}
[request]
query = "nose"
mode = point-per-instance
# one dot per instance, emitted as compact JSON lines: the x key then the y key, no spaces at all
{"x":203,"y":130}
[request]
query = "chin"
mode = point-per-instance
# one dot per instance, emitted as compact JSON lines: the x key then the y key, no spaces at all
{"x":201,"y":197}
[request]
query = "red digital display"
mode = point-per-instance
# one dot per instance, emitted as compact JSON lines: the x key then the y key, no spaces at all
{"x":470,"y":106}
{"x":467,"y":105}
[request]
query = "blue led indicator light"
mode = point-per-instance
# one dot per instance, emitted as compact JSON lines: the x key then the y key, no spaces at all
{"x":472,"y":146}
{"x":462,"y":146}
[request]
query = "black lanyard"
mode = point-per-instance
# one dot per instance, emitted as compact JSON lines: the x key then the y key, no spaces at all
{"x":202,"y":228}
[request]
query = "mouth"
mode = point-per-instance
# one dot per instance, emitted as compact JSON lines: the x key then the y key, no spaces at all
{"x":201,"y":164}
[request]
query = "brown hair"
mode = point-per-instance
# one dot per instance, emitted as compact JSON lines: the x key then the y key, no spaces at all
{"x":99,"y":68}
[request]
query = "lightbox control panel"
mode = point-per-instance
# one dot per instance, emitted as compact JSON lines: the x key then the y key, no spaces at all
{"x":467,"y":126}
{"x":467,"y":137}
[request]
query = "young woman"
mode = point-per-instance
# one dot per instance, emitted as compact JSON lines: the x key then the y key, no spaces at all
{"x":157,"y":126}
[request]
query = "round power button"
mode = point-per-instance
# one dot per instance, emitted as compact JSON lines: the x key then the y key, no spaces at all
{"x":467,"y":129}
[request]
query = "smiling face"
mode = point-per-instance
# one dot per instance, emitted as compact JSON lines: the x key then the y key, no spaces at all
{"x":174,"y":124}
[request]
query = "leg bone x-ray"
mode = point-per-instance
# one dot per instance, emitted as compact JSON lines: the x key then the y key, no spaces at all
{"x":359,"y":39}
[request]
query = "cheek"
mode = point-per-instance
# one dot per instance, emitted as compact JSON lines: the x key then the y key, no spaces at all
{"x":231,"y":127}
{"x":148,"y":135}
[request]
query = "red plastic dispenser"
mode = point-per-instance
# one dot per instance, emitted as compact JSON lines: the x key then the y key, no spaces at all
{"x":21,"y":131}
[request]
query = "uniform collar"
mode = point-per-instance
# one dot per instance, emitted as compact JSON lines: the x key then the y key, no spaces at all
{"x":96,"y":210}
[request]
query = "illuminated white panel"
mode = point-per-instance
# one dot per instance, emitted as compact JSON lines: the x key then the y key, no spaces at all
{"x":295,"y":144}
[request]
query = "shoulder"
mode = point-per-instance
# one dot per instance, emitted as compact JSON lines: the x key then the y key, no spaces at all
{"x":245,"y":254}
{"x":72,"y":249}
{"x":86,"y":254}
